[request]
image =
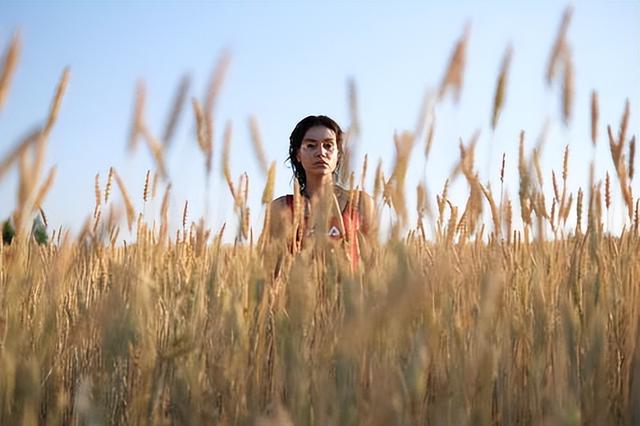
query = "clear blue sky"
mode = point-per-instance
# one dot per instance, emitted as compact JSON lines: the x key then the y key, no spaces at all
{"x":291,"y":59}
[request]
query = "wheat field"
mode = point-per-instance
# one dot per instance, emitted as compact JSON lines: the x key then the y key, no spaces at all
{"x":489,"y":319}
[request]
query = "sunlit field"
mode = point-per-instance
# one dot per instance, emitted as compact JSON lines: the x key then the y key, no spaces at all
{"x":518,"y":307}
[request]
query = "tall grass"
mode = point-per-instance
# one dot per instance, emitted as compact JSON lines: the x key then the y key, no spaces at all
{"x":484,"y":323}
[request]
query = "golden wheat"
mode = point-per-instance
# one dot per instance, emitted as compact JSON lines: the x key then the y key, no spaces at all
{"x":176,"y":110}
{"x":469,"y":327}
{"x":11,"y":58}
{"x":501,"y":87}
{"x":258,"y":148}
{"x":453,"y":77}
{"x":595,"y":114}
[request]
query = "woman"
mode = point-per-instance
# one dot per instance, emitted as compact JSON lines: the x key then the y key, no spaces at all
{"x":315,"y":153}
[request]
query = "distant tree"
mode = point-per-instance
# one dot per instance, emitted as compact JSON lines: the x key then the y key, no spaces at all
{"x":8,"y":232}
{"x":39,"y":231}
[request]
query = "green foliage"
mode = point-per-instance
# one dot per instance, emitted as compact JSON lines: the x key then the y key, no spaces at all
{"x":8,"y":232}
{"x":39,"y":231}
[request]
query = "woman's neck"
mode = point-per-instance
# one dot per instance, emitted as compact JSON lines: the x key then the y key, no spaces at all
{"x":314,"y":187}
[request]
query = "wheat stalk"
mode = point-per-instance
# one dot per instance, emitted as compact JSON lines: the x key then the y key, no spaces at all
{"x":354,"y":126}
{"x":298,"y":216}
{"x":624,"y":123}
{"x":501,"y":86}
{"x":267,"y":196}
{"x":442,"y":200}
{"x":243,"y":190}
{"x":429,"y":139}
{"x":176,"y":110}
{"x":184,"y":217}
{"x":378,"y":181}
{"x":363,"y":175}
{"x":421,"y":197}
{"x":44,"y":218}
{"x":537,"y":167}
{"x":204,"y":134}
{"x":94,"y":230}
{"x":128,"y":204}
{"x":267,"y":193}
{"x":565,"y":163}
{"x":107,"y":188}
{"x":559,"y":46}
{"x":98,"y":194}
{"x":145,"y":191}
{"x":595,"y":114}
{"x":636,"y":217}
{"x":30,"y":175}
{"x":18,"y":150}
{"x":244,"y":222}
{"x":258,"y":147}
{"x":565,"y":175}
{"x":453,"y":77}
{"x":154,"y":186}
{"x":607,"y":191}
{"x":11,"y":58}
{"x":508,"y":219}
{"x":57,"y":101}
{"x":404,"y":145}
{"x":164,"y":215}
{"x":616,"y":148}
{"x":138,"y":115}
{"x":156,"y":150}
{"x":568,"y":88}
{"x":451,"y":225}
{"x":579,"y":211}
{"x":215,"y":83}
{"x":226,"y":154}
{"x":552,"y":215}
{"x":54,"y":109}
{"x":25,"y":186}
{"x":495,"y":214}
{"x":632,"y":154}
{"x":45,"y":187}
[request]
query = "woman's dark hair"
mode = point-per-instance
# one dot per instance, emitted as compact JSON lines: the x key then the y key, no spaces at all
{"x":295,"y":141}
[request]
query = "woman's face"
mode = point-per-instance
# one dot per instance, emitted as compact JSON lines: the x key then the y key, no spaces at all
{"x":318,"y":152}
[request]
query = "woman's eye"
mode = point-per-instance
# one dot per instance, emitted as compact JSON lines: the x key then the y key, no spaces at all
{"x":328,"y":146}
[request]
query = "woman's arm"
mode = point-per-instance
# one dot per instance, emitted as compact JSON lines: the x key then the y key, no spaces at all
{"x":368,"y":235}
{"x":280,"y":220}
{"x":368,"y":219}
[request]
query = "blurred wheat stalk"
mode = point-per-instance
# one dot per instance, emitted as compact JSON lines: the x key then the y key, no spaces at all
{"x":467,"y":327}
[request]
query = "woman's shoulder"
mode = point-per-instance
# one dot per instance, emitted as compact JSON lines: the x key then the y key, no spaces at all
{"x":282,"y":201}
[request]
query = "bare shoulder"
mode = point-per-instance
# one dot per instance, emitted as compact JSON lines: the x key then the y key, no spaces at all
{"x":279,"y":202}
{"x":280,"y":206}
{"x":280,"y":216}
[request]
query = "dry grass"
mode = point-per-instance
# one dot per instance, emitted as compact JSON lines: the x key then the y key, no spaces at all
{"x":176,"y":110}
{"x":463,"y":326}
{"x":501,"y":87}
{"x":454,"y":75}
{"x":8,"y":67}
